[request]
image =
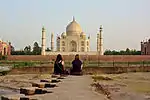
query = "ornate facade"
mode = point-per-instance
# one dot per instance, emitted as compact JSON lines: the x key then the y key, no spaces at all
{"x":72,"y":41}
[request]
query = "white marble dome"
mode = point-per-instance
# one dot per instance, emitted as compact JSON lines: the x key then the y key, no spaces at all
{"x":73,"y":28}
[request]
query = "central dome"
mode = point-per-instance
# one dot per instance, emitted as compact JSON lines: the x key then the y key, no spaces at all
{"x":73,"y":28}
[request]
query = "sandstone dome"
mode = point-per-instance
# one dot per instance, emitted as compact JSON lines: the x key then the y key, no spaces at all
{"x":73,"y":28}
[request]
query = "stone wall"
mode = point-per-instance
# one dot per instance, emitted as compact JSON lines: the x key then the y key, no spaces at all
{"x":86,"y":70}
{"x":115,"y":58}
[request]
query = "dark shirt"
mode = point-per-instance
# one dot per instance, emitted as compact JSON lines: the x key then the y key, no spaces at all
{"x":76,"y":65}
{"x":58,"y":67}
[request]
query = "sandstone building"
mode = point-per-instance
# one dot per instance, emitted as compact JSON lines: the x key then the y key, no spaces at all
{"x":145,"y":48}
{"x":5,"y":48}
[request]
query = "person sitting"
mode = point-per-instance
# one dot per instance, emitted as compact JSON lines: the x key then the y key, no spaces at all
{"x":59,"y":65}
{"x":76,"y":66}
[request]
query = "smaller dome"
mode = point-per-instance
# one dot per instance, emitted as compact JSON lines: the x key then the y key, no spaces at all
{"x":63,"y":34}
{"x":82,"y":34}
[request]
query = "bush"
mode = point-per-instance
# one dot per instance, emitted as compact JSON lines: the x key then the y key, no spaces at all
{"x":23,"y":64}
{"x":2,"y":57}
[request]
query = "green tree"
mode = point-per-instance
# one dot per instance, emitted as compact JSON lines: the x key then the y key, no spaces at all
{"x":20,"y":52}
{"x":122,"y":52}
{"x":36,"y":49}
{"x":27,"y":50}
{"x":107,"y":52}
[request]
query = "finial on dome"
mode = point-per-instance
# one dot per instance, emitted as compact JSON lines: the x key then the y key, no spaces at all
{"x":101,"y":26}
{"x":43,"y":28}
{"x":73,"y":18}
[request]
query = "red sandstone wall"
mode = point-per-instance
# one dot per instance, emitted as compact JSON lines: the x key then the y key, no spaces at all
{"x":118,"y":58}
{"x":86,"y":70}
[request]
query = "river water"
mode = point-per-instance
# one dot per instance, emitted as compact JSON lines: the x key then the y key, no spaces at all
{"x":7,"y":91}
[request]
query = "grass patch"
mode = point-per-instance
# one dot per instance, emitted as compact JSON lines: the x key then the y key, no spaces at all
{"x":141,"y":87}
{"x":100,"y":77}
{"x":23,"y":64}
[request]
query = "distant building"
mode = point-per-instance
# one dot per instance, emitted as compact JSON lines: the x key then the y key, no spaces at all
{"x":145,"y":48}
{"x":5,"y":48}
{"x":73,"y":41}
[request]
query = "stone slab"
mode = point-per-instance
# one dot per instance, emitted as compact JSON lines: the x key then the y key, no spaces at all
{"x":45,"y":80}
{"x":55,"y":76}
{"x":28,"y":90}
{"x":43,"y":84}
{"x":55,"y":80}
{"x":38,"y":84}
{"x":61,"y":77}
{"x":12,"y":97}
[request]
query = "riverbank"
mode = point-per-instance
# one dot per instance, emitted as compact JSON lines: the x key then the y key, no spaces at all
{"x":126,"y":86}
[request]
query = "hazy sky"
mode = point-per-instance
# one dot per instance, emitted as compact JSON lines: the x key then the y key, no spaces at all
{"x":126,"y":22}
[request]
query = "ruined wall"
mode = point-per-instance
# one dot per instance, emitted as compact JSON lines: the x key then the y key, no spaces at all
{"x":117,"y":58}
{"x":86,"y":70}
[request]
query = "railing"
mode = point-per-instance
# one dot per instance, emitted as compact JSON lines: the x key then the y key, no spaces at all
{"x":110,"y":64}
{"x":86,"y":63}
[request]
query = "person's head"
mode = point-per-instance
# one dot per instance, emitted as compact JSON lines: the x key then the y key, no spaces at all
{"x":59,"y":57}
{"x":77,"y":57}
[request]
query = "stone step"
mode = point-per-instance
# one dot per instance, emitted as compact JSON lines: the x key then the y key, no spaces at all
{"x":61,"y":77}
{"x":55,"y":80}
{"x":42,"y":91}
{"x":45,"y":80}
{"x":50,"y":85}
{"x":28,"y":98}
{"x":43,"y":84}
{"x":12,"y":97}
{"x":28,"y":90}
{"x":17,"y":97}
{"x":33,"y":90}
{"x":38,"y":84}
{"x":55,"y":76}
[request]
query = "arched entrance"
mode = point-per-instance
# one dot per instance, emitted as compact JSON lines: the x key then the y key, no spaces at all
{"x":73,"y":46}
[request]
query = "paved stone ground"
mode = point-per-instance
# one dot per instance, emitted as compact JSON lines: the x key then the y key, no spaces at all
{"x":73,"y":88}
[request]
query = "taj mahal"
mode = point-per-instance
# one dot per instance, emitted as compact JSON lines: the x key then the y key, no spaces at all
{"x":73,"y":41}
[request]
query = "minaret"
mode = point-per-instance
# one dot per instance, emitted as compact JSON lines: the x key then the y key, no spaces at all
{"x":100,"y":41}
{"x":43,"y":41}
{"x":52,"y":42}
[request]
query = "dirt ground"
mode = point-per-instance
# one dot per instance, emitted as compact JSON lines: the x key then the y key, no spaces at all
{"x":126,"y":86}
{"x":10,"y":84}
